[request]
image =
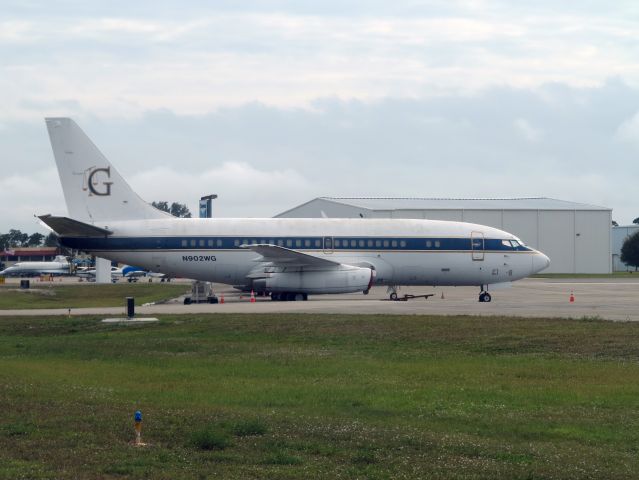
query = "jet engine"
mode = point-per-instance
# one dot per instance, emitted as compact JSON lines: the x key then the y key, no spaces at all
{"x":347,"y":279}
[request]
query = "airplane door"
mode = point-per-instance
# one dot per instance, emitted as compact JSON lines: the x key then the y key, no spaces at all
{"x":328,"y":244}
{"x":477,"y":245}
{"x":158,"y":255}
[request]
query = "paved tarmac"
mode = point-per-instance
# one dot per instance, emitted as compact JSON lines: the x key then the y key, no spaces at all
{"x":609,"y":298}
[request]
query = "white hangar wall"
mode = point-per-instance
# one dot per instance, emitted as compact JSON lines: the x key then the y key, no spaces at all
{"x":575,"y":236}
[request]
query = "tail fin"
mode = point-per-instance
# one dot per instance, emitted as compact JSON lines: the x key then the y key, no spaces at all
{"x":93,"y":190}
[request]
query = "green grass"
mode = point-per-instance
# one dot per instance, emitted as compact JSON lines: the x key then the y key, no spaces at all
{"x":317,"y":396}
{"x":86,"y":295}
{"x":210,"y":438}
{"x":253,"y":426}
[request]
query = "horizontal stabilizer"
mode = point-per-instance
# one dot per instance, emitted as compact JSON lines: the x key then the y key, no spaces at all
{"x":67,"y":227}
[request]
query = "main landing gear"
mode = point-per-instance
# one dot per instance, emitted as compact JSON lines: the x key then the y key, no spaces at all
{"x":484,"y":296}
{"x":289,"y":297}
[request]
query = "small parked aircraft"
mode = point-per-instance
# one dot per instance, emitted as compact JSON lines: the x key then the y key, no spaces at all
{"x":59,"y":266}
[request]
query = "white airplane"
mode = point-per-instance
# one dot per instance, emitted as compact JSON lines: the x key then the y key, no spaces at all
{"x":288,"y":258}
{"x":126,"y":271}
{"x":132,"y":274}
{"x":59,"y":266}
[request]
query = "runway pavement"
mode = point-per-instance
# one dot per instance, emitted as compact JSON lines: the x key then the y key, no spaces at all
{"x":609,"y":298}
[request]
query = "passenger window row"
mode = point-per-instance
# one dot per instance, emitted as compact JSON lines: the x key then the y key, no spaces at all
{"x":316,"y":243}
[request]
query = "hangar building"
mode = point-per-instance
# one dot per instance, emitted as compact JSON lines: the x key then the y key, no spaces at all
{"x":575,"y":236}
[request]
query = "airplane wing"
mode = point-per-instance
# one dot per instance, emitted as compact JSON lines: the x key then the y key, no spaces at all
{"x":287,"y":257}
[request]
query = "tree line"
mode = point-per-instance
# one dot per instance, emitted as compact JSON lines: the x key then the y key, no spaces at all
{"x":175,"y":209}
{"x":17,"y":239}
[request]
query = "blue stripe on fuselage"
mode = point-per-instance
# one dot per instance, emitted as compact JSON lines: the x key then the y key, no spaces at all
{"x":295,"y":243}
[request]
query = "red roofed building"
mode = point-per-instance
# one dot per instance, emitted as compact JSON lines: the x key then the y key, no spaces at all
{"x":29,"y":254}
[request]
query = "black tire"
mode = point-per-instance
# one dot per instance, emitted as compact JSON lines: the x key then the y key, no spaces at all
{"x":365,"y":292}
{"x":487,"y":297}
{"x":187,"y":301}
{"x":298,"y":297}
{"x":393,"y":296}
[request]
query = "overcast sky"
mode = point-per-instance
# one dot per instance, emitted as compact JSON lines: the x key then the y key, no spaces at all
{"x":272,"y":103}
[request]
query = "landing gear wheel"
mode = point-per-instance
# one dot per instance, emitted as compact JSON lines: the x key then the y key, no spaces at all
{"x":393,"y":296}
{"x":485,"y":297}
{"x":365,"y":292}
{"x":298,"y":297}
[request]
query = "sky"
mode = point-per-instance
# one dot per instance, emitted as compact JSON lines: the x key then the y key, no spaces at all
{"x":272,"y":103}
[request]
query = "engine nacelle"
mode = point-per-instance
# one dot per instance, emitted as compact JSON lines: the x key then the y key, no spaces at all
{"x":344,"y":280}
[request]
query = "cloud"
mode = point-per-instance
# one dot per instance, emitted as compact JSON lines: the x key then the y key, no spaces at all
{"x":272,"y":103}
{"x":195,"y":58}
{"x":526,"y":130}
{"x":628,"y":131}
{"x":555,"y":141}
{"x":24,"y":195}
{"x":243,"y":190}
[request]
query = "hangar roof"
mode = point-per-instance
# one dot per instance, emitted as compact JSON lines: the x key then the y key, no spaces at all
{"x":533,"y":203}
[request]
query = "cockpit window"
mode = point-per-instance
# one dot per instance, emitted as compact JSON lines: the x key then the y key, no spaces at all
{"x":506,"y":243}
{"x":515,"y":243}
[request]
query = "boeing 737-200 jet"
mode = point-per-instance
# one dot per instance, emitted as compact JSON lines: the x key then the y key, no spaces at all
{"x":286,"y":257}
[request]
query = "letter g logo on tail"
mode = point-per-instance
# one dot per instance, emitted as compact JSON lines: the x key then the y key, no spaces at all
{"x":92,"y":182}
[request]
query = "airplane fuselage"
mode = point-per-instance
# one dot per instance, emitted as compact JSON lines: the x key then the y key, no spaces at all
{"x":36,"y":268}
{"x":402,"y":252}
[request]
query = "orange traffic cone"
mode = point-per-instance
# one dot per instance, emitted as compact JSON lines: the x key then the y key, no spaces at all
{"x":572,"y":298}
{"x":252,"y":296}
{"x":222,"y":298}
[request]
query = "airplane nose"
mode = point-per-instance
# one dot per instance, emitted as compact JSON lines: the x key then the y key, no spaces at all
{"x":540,"y":262}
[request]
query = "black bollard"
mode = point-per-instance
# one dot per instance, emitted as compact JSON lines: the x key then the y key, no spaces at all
{"x":130,"y":307}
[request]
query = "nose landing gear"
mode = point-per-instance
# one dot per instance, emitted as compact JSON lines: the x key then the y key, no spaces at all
{"x":392,"y":289}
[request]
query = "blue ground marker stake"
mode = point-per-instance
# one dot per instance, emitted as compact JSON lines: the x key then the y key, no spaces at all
{"x":138,"y":427}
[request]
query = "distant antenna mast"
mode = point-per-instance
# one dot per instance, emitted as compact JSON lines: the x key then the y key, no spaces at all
{"x":206,"y":206}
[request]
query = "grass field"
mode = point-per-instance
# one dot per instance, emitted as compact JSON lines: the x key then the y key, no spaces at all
{"x":52,"y":295}
{"x":318,"y":396}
